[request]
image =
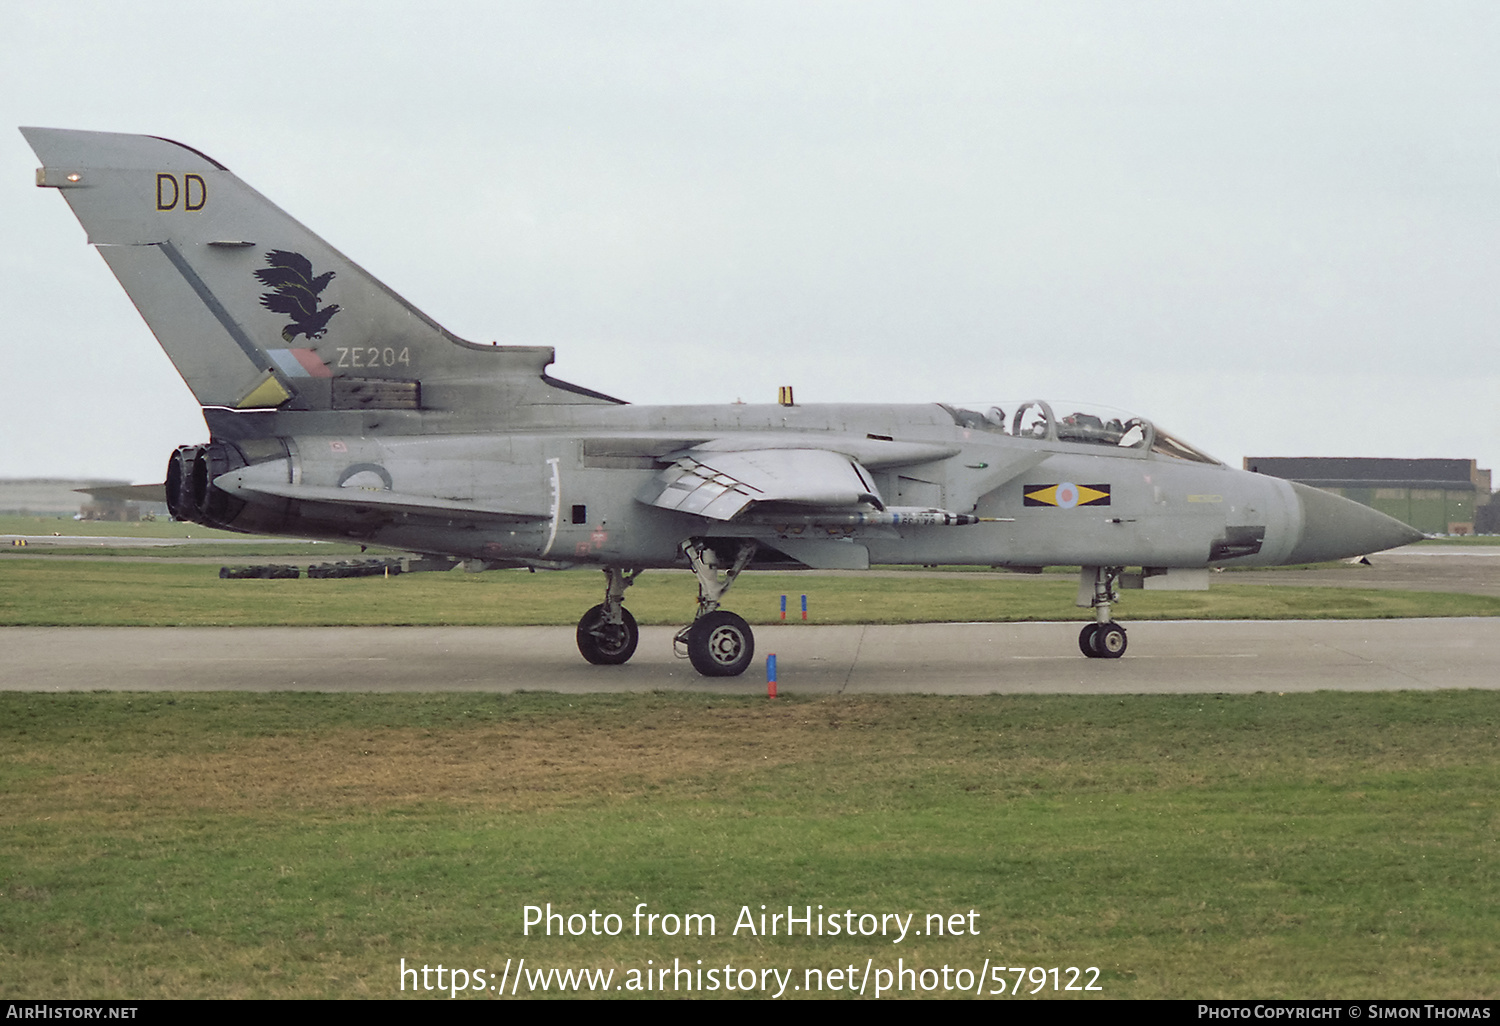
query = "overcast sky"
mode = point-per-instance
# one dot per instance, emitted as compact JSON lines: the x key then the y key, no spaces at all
{"x":1272,"y":228}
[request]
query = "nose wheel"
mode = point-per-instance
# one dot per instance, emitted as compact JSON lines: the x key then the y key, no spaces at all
{"x":1086,"y":640}
{"x":1102,"y":640}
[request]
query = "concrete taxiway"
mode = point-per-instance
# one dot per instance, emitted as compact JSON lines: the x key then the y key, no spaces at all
{"x":980,"y":658}
{"x":1190,"y":656}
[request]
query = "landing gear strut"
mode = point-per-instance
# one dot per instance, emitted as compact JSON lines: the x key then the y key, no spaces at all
{"x":719,"y":643}
{"x":607,"y":634}
{"x":1102,"y":639}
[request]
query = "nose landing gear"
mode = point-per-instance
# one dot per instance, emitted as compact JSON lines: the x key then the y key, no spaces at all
{"x":1102,"y":639}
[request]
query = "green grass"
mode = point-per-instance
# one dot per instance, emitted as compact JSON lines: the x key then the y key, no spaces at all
{"x":299,"y":845}
{"x":290,"y":552}
{"x":242,"y":546}
{"x":43,"y":593}
{"x":67,"y":526}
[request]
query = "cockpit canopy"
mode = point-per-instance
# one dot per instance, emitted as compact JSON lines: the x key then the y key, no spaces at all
{"x":1088,"y":425}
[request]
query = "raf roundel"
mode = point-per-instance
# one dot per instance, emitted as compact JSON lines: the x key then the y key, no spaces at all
{"x":1066,"y":495}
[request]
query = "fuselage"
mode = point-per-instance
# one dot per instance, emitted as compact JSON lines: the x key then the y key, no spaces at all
{"x":561,"y":485}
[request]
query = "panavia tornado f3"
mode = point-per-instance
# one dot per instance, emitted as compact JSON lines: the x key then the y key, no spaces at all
{"x":338,"y":411}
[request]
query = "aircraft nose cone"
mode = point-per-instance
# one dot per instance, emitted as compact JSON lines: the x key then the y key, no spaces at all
{"x":1337,"y":528}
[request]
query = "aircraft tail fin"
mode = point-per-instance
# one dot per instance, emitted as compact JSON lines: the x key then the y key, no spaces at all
{"x":255,"y":310}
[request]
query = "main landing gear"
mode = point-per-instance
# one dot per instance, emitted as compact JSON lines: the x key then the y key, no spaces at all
{"x":719,"y":643}
{"x":1102,"y":639}
{"x":607,"y":634}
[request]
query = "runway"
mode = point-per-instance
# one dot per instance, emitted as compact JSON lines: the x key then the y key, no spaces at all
{"x":949,"y":659}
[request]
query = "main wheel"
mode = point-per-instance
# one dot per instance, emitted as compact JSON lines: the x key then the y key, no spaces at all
{"x":1110,"y":641}
{"x":720,"y":644}
{"x":1086,"y":640}
{"x":607,"y":644}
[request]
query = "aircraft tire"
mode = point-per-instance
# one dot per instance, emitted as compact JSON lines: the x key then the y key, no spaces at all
{"x":1109,"y":642}
{"x":604,"y":645}
{"x":1086,"y":640}
{"x":720,"y":644}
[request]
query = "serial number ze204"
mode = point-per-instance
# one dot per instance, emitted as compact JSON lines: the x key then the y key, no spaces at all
{"x":1038,"y":975}
{"x":373,"y":356}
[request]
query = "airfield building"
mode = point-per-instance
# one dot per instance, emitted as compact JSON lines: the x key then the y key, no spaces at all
{"x":1434,"y":496}
{"x":86,"y":499}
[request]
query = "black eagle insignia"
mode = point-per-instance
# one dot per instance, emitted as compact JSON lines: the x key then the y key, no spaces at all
{"x":296,"y":293}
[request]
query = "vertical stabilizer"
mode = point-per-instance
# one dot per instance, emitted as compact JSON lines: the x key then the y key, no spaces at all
{"x":257,"y":312}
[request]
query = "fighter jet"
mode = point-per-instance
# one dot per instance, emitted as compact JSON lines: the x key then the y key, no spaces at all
{"x":338,"y":411}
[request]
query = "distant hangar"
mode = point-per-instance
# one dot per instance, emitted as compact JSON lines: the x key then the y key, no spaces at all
{"x":1434,"y":496}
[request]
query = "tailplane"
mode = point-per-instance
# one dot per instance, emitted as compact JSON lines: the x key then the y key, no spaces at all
{"x":257,"y":312}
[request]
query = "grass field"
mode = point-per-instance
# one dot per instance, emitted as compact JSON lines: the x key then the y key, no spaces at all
{"x":301,"y":845}
{"x":196,"y":540}
{"x":1306,"y":845}
{"x":38,"y":592}
{"x":67,"y":526}
{"x":257,"y":551}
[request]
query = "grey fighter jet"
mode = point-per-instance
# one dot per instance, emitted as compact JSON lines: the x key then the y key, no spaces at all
{"x":338,"y":411}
